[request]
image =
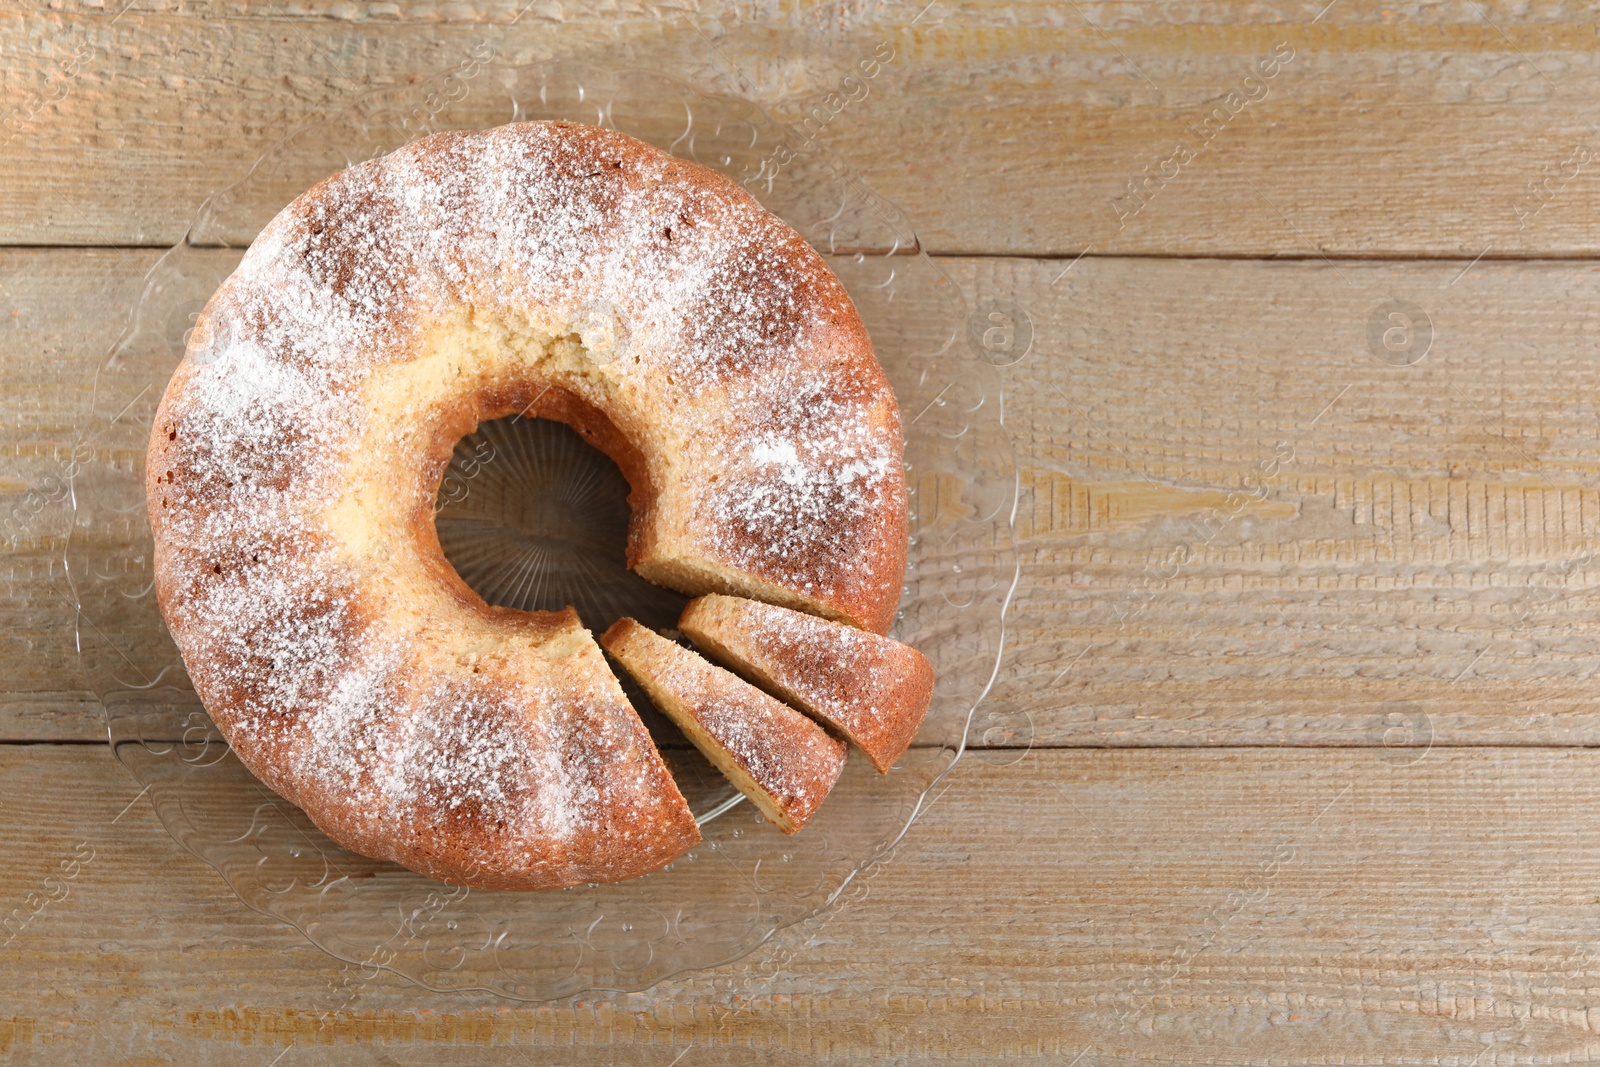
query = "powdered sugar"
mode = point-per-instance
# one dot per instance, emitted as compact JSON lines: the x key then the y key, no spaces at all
{"x":781,"y":453}
{"x":823,"y":470}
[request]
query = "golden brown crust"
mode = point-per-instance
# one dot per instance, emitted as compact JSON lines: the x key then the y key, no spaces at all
{"x":873,"y":690}
{"x":777,"y":757}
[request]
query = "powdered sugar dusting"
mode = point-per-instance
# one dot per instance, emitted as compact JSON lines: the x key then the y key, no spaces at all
{"x":741,"y":350}
{"x":823,"y":470}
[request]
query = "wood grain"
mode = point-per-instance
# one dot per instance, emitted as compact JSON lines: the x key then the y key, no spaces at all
{"x":1239,"y":906}
{"x":59,"y":314}
{"x":1248,"y":517}
{"x":1025,"y":129}
{"x":1411,"y":543}
{"x":1420,"y":563}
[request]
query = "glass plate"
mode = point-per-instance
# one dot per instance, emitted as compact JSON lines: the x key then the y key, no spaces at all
{"x":746,"y":880}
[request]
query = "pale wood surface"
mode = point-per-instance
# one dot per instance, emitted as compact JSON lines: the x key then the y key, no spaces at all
{"x":1417,"y":570}
{"x":1247,"y":906}
{"x":1000,"y":128}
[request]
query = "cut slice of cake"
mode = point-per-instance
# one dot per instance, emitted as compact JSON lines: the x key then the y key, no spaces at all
{"x":781,"y":760}
{"x":873,"y":690}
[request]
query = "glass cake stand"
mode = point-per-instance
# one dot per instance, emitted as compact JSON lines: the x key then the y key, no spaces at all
{"x":531,"y":517}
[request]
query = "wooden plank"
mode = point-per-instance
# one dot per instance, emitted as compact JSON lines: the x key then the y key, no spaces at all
{"x":59,"y":314}
{"x":1245,"y":520}
{"x":1244,"y":906}
{"x":1385,"y":129}
{"x":1421,"y":562}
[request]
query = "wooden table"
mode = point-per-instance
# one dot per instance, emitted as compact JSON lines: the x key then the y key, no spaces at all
{"x":1323,"y":796}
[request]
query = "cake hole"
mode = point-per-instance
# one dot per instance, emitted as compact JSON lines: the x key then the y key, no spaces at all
{"x":533,"y":517}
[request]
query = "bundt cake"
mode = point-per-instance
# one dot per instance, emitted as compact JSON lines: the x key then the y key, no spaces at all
{"x":563,"y":272}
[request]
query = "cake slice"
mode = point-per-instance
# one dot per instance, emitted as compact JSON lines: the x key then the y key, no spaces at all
{"x":873,"y":690}
{"x":781,"y":760}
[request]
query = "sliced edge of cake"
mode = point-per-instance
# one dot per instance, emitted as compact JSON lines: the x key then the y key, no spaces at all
{"x":873,"y":690}
{"x":785,"y":763}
